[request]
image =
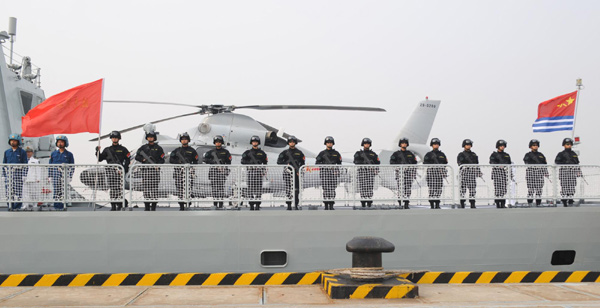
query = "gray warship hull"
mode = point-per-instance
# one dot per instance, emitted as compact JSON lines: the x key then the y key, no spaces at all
{"x":233,"y":241}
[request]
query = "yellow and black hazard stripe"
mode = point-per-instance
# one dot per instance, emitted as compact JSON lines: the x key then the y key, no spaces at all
{"x":159,"y":279}
{"x":503,"y":277}
{"x":249,"y":279}
{"x":337,"y":289}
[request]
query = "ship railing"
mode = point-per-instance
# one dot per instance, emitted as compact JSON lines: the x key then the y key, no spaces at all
{"x":385,"y":185}
{"x":523,"y":184}
{"x":581,"y":182}
{"x":206,"y":186}
{"x":34,"y":186}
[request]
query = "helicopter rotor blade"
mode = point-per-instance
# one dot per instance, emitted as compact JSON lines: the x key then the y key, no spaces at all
{"x":152,"y":103}
{"x":308,"y":107}
{"x":153,"y":122}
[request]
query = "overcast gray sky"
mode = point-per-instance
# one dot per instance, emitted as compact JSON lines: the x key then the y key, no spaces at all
{"x":490,"y":63}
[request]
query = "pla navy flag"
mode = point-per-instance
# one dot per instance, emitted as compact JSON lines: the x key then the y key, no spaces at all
{"x":556,"y":114}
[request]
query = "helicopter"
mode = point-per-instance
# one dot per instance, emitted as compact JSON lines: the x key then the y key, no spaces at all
{"x":237,"y":129}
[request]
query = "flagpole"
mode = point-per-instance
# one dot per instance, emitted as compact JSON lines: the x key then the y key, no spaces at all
{"x":100,"y":122}
{"x":579,"y":87}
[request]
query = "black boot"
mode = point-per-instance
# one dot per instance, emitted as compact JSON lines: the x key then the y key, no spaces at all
{"x":289,"y":205}
{"x":363,"y":203}
{"x":154,"y":204}
{"x":220,"y":205}
{"x":432,"y":204}
{"x":326,"y":206}
{"x":146,"y":206}
{"x":257,"y":206}
{"x":119,"y":206}
{"x":251,"y":206}
{"x":216,"y":204}
{"x":182,"y":206}
{"x":113,"y":207}
{"x":369,"y":203}
{"x":437,"y":204}
{"x":462,"y":203}
{"x":565,"y":202}
{"x":331,"y":203}
{"x":497,"y":203}
{"x":503,"y":203}
{"x":472,"y":203}
{"x":406,"y":202}
{"x":538,"y":202}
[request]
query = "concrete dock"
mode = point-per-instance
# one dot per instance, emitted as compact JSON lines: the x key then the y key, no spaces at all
{"x":570,"y":295}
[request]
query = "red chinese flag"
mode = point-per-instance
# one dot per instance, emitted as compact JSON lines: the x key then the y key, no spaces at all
{"x":73,"y":111}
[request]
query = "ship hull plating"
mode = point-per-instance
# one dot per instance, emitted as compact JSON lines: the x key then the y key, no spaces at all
{"x":232,"y":241}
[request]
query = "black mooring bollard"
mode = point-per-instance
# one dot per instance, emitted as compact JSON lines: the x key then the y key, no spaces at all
{"x":366,"y":250}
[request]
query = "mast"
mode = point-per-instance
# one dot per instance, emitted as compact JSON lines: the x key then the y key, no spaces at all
{"x":579,"y":86}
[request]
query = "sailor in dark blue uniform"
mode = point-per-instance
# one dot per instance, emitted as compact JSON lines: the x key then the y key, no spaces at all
{"x":15,"y":155}
{"x":60,"y":156}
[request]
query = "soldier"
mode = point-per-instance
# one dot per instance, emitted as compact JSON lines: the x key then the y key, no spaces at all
{"x":568,"y":174}
{"x":329,"y":175}
{"x":255,"y":156}
{"x":535,"y":175}
{"x":182,"y":156}
{"x":405,"y":180}
{"x":295,"y":158}
{"x":366,"y":175}
{"x":60,"y":156}
{"x":119,"y":155}
{"x":435,"y":175}
{"x":468,"y":174}
{"x":500,"y":173}
{"x":150,"y":153}
{"x":15,"y":155}
{"x":218,"y":175}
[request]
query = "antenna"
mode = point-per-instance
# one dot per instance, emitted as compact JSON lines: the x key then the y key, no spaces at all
{"x":12,"y":31}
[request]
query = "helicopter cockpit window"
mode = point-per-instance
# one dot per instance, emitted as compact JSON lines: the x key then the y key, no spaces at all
{"x":272,"y":140}
{"x":26,"y":100}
